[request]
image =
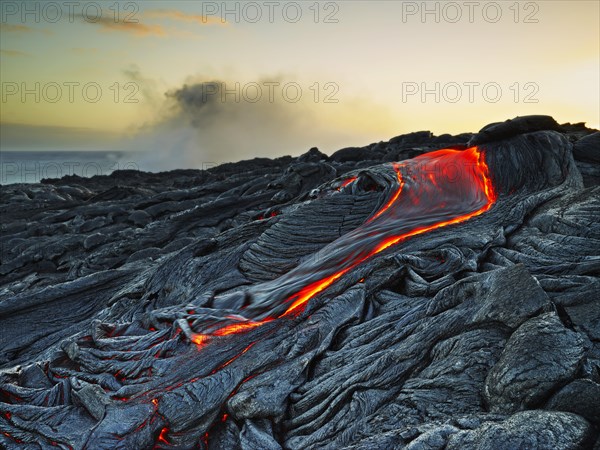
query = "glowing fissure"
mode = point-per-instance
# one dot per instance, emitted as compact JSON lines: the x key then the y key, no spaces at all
{"x":347,"y":182}
{"x":434,"y":190}
{"x":394,"y":197}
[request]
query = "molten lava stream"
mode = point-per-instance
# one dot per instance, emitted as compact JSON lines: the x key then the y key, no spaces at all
{"x":434,"y":190}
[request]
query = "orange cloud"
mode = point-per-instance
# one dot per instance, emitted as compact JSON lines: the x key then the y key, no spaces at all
{"x":174,"y":14}
{"x":108,"y":24}
{"x":13,"y":53}
{"x":15,"y":28}
{"x":84,"y":50}
{"x":137,"y":28}
{"x":12,"y":28}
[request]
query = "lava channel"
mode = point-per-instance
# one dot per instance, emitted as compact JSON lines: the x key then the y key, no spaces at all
{"x":432,"y":191}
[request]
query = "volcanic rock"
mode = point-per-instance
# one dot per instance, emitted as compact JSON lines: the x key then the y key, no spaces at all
{"x":428,"y":292}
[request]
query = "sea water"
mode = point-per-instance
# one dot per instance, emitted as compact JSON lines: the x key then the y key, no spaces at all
{"x":33,"y":166}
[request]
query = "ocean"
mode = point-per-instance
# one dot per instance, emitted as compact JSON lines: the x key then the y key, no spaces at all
{"x":32,"y":166}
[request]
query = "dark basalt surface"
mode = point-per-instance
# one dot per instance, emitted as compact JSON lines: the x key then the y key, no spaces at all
{"x":483,"y":334}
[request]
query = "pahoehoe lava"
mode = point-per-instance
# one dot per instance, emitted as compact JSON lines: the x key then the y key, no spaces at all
{"x":427,"y":292}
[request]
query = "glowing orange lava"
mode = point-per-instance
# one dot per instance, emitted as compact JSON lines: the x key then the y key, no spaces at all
{"x":313,"y":289}
{"x":472,"y":158}
{"x":394,"y":197}
{"x":434,"y":181}
{"x":200,"y":339}
{"x":162,"y":437}
{"x":346,"y":182}
{"x":236,"y":328}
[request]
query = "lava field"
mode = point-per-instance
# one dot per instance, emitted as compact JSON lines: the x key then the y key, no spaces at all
{"x":429,"y":292}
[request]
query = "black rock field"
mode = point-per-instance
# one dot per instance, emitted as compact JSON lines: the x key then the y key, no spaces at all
{"x":428,"y":292}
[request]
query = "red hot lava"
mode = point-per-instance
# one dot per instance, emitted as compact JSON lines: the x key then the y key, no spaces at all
{"x":432,"y":191}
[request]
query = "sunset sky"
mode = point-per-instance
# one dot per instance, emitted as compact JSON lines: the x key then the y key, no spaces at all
{"x":368,"y":56}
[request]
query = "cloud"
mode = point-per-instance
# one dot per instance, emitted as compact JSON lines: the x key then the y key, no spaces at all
{"x":137,"y":28}
{"x":197,"y":125}
{"x":18,"y":28}
{"x":152,"y":92}
{"x":174,"y":14}
{"x":208,"y":121}
{"x":15,"y":53}
{"x":212,"y":121}
{"x":108,"y":24}
{"x":11,"y":28}
{"x":84,"y":50}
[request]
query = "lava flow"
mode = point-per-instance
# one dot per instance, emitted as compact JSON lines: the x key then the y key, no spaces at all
{"x":432,"y":191}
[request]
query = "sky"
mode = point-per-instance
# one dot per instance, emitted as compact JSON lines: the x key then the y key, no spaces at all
{"x":186,"y":82}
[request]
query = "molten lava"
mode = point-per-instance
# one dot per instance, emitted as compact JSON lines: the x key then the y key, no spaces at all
{"x":432,"y":191}
{"x":346,"y":182}
{"x":162,"y":437}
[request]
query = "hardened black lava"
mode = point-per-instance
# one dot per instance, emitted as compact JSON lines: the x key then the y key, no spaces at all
{"x":422,"y":293}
